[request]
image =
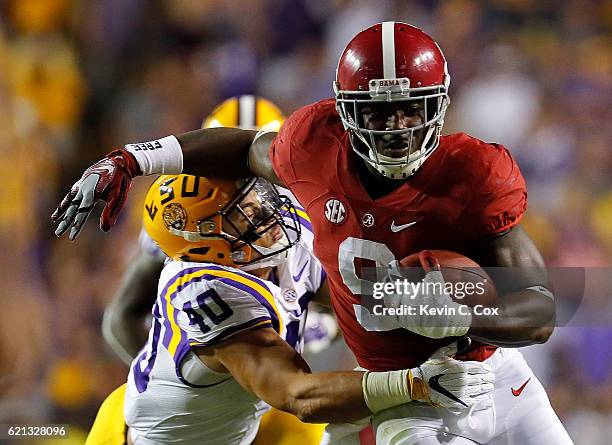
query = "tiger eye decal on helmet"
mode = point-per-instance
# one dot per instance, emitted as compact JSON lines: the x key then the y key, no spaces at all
{"x":174,"y":216}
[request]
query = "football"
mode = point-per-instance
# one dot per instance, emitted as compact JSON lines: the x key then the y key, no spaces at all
{"x":466,"y":281}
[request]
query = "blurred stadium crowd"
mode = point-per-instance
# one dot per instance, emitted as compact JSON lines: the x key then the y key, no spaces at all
{"x":80,"y":77}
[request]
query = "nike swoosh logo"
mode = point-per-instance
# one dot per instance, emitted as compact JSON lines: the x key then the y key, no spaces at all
{"x":517,"y":392}
{"x":396,"y":229}
{"x":435,"y":385}
{"x":299,"y":275}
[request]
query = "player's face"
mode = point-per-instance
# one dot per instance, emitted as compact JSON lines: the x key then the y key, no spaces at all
{"x":253,"y":212}
{"x":385,"y":116}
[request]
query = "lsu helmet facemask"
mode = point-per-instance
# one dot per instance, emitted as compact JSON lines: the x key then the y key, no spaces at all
{"x":392,"y":62}
{"x":244,"y":224}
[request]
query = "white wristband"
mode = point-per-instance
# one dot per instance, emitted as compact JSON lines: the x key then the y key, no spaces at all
{"x":260,"y":133}
{"x":159,"y":156}
{"x":542,"y":290}
{"x":382,"y":390}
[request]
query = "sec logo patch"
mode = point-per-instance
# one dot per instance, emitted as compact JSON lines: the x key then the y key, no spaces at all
{"x":290,"y":295}
{"x":335,"y":211}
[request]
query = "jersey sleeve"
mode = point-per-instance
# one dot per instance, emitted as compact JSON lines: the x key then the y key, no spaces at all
{"x":288,"y":151}
{"x":211,"y":304}
{"x":499,"y":198}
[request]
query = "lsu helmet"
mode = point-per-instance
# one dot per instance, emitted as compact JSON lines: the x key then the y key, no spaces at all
{"x":389,"y":62}
{"x":192,"y":218}
{"x":246,"y":112}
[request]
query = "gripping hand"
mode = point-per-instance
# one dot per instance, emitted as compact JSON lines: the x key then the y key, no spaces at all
{"x":434,"y":313}
{"x":450,"y":383}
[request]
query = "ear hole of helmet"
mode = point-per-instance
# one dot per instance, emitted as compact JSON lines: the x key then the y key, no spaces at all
{"x":199,"y":250}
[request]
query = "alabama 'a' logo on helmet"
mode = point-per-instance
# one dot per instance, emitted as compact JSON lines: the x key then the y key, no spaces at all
{"x":174,"y":216}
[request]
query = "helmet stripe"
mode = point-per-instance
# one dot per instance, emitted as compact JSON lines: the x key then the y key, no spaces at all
{"x":246,"y":112}
{"x":388,"y":49}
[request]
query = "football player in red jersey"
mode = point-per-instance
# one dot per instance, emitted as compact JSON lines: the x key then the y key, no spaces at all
{"x":379,"y":182}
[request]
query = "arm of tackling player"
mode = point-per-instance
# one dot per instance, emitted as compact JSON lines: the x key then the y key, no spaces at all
{"x":123,"y":323}
{"x":244,"y":154}
{"x":268,"y":367}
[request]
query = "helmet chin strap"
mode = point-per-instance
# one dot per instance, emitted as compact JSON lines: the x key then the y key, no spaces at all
{"x":397,"y":172}
{"x":185,"y":234}
{"x":272,"y":261}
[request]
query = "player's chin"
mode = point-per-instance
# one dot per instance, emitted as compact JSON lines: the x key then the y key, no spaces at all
{"x":394,"y":151}
{"x":396,"y":147}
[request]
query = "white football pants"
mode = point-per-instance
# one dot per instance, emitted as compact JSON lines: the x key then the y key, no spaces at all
{"x":506,"y":419}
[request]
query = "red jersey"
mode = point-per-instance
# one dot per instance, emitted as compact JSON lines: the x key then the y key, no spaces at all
{"x":465,"y":190}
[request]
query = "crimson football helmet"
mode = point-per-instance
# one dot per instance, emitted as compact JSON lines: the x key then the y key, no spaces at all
{"x":392,"y":62}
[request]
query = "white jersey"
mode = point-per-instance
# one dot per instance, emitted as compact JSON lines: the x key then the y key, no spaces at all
{"x":201,"y":304}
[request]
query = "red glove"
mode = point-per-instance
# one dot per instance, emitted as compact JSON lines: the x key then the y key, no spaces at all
{"x":107,"y":180}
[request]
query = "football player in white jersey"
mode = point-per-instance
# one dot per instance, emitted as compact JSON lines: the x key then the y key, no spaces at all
{"x":127,"y":319}
{"x":225,"y":340}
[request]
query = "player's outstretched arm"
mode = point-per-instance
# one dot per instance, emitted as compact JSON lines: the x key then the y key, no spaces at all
{"x":123,"y":323}
{"x":526,"y":305}
{"x":218,"y":152}
{"x":227,"y":152}
{"x":268,"y":367}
